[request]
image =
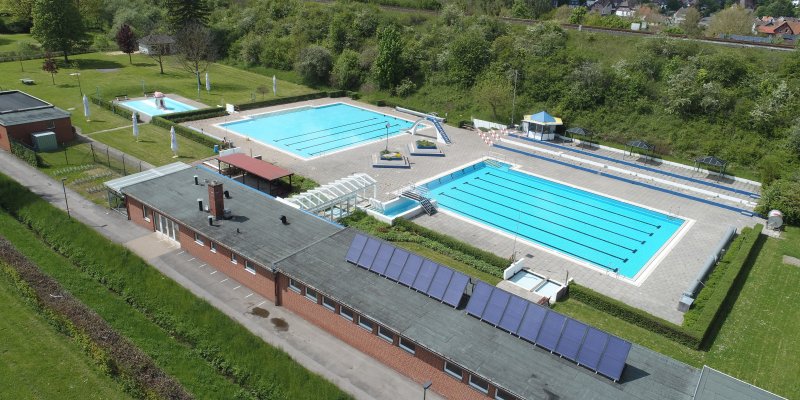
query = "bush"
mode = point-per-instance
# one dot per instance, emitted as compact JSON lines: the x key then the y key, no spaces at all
{"x":194,"y":115}
{"x":406,"y":88}
{"x":783,"y":195}
{"x":314,"y":65}
{"x":113,"y":107}
{"x":280,"y":100}
{"x":25,"y":153}
{"x":347,"y":71}
{"x":337,"y":93}
{"x":184,"y":131}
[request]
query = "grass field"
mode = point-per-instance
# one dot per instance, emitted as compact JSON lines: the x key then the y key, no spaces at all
{"x":48,"y":366}
{"x":8,"y":42}
{"x":153,"y":145}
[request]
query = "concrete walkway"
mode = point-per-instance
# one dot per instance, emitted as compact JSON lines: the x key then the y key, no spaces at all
{"x":354,"y":372}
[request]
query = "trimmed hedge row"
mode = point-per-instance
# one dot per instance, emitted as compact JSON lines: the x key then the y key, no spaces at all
{"x":113,"y":107}
{"x":194,"y":115}
{"x":280,"y":100}
{"x":263,"y":371}
{"x":25,"y":153}
{"x":181,"y":130}
{"x":115,"y":355}
{"x":701,"y":320}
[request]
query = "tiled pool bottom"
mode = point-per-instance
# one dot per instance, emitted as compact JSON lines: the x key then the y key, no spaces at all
{"x":148,"y":106}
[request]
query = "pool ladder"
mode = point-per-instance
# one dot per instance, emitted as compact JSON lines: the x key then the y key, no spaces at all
{"x":420,"y":194}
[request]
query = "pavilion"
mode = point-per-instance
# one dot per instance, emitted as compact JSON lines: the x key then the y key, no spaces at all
{"x":261,"y":170}
{"x":541,"y":126}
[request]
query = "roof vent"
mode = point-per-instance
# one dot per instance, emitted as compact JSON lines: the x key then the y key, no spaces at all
{"x":196,"y":180}
{"x":200,"y":204}
{"x":284,"y":220}
{"x":210,"y":220}
{"x":227,"y":195}
{"x":226,"y":213}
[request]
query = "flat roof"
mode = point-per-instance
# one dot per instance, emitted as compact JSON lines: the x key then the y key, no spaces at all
{"x":715,"y":385}
{"x":118,"y":184}
{"x":18,"y":108}
{"x":14,"y":100}
{"x":255,"y":166}
{"x":261,"y":237}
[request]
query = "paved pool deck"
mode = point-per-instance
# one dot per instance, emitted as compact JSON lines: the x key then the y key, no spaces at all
{"x":657,"y":294}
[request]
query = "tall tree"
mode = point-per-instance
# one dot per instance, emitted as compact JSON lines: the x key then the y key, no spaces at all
{"x":49,"y":65}
{"x":182,"y":13}
{"x":388,"y":66}
{"x":734,"y":21}
{"x":494,"y":91}
{"x":314,"y":65}
{"x":691,"y":22}
{"x":196,"y":49}
{"x":57,"y":25}
{"x":21,"y":10}
{"x":126,"y":40}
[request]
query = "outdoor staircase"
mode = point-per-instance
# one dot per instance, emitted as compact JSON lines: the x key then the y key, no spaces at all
{"x":440,"y":129}
{"x":493,"y":163}
{"x":420,"y":194}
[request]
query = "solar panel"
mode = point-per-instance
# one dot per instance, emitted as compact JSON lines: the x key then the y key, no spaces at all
{"x":396,"y":264}
{"x":551,"y":330}
{"x":613,"y":361}
{"x":571,"y":339}
{"x":382,"y":259}
{"x":410,"y":270}
{"x":496,"y":306}
{"x":369,"y":252}
{"x":592,"y":349}
{"x":455,"y":290}
{"x":440,"y":282}
{"x":532,"y":322}
{"x":514,"y":313}
{"x":355,"y":248}
{"x":480,"y":296}
{"x":425,"y":276}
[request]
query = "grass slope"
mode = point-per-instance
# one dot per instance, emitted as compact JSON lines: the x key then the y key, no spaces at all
{"x":47,"y":366}
{"x":153,"y":145}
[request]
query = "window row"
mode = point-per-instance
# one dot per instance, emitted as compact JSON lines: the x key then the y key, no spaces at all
{"x":212,"y":246}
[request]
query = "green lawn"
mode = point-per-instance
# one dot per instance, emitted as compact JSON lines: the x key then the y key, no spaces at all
{"x":48,"y":366}
{"x":84,"y":172}
{"x":153,"y":145}
{"x":8,"y":42}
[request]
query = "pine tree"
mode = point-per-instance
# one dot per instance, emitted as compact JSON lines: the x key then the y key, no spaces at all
{"x":182,"y":13}
{"x":126,"y":40}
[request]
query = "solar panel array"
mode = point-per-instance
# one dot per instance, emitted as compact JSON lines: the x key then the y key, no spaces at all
{"x":592,"y":348}
{"x":409,"y":269}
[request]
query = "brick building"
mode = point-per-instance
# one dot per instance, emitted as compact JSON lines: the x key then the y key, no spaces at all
{"x":22,"y":115}
{"x":299,"y":261}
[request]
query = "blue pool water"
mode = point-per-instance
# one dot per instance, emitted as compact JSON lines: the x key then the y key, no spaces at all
{"x":148,"y":106}
{"x":608,"y":233}
{"x":309,"y":132}
{"x":526,"y":280}
{"x":399,"y":206}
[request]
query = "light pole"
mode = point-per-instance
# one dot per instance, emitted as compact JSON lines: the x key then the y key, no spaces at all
{"x":425,"y":386}
{"x":387,"y":136}
{"x":64,"y":187}
{"x":514,"y":99}
{"x":78,"y":74}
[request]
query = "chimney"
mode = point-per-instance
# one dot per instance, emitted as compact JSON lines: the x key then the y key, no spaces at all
{"x":227,"y":195}
{"x":196,"y":180}
{"x":216,"y":203}
{"x":200,"y":204}
{"x":210,"y":220}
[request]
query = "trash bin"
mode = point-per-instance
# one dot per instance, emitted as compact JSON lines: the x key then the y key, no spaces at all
{"x":216,"y":149}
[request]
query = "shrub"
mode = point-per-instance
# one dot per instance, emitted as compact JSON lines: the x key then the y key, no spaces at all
{"x":406,"y":88}
{"x":314,"y":65}
{"x":194,"y":115}
{"x":184,"y":131}
{"x":113,"y":107}
{"x":25,"y":153}
{"x":337,"y":93}
{"x":783,"y":195}
{"x":347,"y":71}
{"x":280,"y":100}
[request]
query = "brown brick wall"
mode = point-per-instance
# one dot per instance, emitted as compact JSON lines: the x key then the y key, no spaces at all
{"x":22,"y":133}
{"x":135,"y":214}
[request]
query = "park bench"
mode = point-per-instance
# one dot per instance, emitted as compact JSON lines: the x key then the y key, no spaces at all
{"x":27,"y":81}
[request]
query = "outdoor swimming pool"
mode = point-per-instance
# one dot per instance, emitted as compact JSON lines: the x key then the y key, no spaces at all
{"x":148,"y":106}
{"x":309,"y":131}
{"x":594,"y":229}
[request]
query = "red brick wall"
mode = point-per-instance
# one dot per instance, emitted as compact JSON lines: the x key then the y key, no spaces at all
{"x":22,"y":133}
{"x":135,"y":214}
{"x":421,"y":367}
{"x":4,"y":143}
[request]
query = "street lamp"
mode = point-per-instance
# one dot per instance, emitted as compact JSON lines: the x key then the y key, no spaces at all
{"x":64,"y":187}
{"x":387,"y":136}
{"x":425,"y":386}
{"x":78,"y":74}
{"x":514,"y":101}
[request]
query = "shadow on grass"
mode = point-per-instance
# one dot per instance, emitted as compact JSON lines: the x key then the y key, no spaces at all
{"x":144,"y":64}
{"x":98,"y":64}
{"x":733,"y":294}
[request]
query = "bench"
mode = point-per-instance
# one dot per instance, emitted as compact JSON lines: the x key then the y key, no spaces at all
{"x":27,"y":81}
{"x":121,"y":97}
{"x":149,"y":94}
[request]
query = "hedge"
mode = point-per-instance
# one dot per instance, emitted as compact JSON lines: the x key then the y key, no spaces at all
{"x":113,"y":107}
{"x":706,"y":312}
{"x":338,"y":93}
{"x":181,"y":130}
{"x":194,"y":115}
{"x":264,"y":371}
{"x":280,"y":100}
{"x":25,"y":153}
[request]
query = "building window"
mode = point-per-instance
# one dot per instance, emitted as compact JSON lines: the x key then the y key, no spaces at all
{"x":198,"y":239}
{"x":385,"y":334}
{"x":328,"y":303}
{"x":453,"y":370}
{"x":365,"y":323}
{"x":233,"y":258}
{"x":346,"y":313}
{"x":212,"y":246}
{"x":480,"y":384}
{"x":502,"y":395}
{"x":311,"y":294}
{"x":249,"y":267}
{"x":407,"y":345}
{"x":146,"y":213}
{"x":294,"y":285}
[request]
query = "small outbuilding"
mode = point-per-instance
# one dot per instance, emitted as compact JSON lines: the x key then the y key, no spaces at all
{"x":541,"y":126}
{"x":156,"y":44}
{"x":24,"y":117}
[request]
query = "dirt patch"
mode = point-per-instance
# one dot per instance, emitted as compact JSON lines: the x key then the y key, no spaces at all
{"x":259,"y":312}
{"x":280,"y":324}
{"x":791,"y":261}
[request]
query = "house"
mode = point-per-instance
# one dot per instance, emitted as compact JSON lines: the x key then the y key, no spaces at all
{"x":603,"y":7}
{"x":679,"y":15}
{"x":624,"y":9}
{"x":154,"y":43}
{"x":340,"y":280}
{"x":22,"y":116}
{"x":782,"y":27}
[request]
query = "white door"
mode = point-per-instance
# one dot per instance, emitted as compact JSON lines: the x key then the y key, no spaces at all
{"x":167,"y":227}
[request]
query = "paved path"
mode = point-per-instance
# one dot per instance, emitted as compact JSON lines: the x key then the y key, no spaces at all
{"x":352,"y":371}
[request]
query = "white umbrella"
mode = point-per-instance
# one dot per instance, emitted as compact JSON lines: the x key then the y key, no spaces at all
{"x":86,"y":107}
{"x":208,"y":83}
{"x":135,"y":126}
{"x":274,"y":85}
{"x":173,"y":142}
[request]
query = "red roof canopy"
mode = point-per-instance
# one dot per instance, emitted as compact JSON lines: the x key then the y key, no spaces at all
{"x":255,"y":166}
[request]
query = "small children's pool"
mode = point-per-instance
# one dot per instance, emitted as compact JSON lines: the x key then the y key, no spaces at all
{"x":548,"y":289}
{"x":148,"y":106}
{"x":526,"y":280}
{"x":399,"y":206}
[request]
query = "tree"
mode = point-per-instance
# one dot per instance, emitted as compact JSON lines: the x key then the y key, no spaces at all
{"x":691,"y":23}
{"x":49,"y":65}
{"x":388,"y":66}
{"x":21,"y":10}
{"x":347,"y":71}
{"x":521,"y":9}
{"x":196,"y":49}
{"x":495,"y":92}
{"x":158,"y":46}
{"x":24,"y":49}
{"x":184,"y":13}
{"x":314,"y":65}
{"x":784,"y":195}
{"x":578,"y":15}
{"x":57,"y":25}
{"x":776,"y":8}
{"x":731,"y":21}
{"x":468,"y":56}
{"x":126,"y":40}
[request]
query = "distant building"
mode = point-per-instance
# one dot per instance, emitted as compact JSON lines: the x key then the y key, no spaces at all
{"x":151,"y":44}
{"x":22,"y":115}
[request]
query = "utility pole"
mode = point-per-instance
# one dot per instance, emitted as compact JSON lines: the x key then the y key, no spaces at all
{"x":514,"y":99}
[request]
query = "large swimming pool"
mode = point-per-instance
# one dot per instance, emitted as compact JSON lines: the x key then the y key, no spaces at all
{"x":310,"y":131}
{"x":606,"y":233}
{"x":148,"y":106}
